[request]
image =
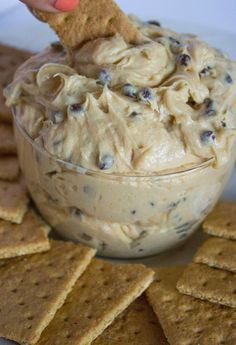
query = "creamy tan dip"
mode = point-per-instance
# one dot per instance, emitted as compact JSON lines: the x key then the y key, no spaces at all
{"x":166,"y":105}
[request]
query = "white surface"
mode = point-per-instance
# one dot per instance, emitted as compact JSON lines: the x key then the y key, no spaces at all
{"x":7,"y":5}
{"x":18,"y":27}
{"x":213,"y":13}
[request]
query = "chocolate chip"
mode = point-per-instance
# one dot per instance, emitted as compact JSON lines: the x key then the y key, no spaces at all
{"x":105,"y":77}
{"x":154,"y":22}
{"x":57,"y":117}
{"x":205,"y":72}
{"x":134,"y":114}
{"x":86,"y":237}
{"x":211,"y":112}
{"x":130,"y":90}
{"x":75,"y":211}
{"x":146,"y":94}
{"x":209,"y":107}
{"x":75,"y":108}
{"x":152,"y":203}
{"x":223,"y":124}
{"x":106,"y":162}
{"x":87,"y":189}
{"x":207,"y":137}
{"x":175,"y":45}
{"x":173,"y":204}
{"x":191,"y":102}
{"x":51,"y":173}
{"x":174,"y":40}
{"x":228,"y":79}
{"x":57,"y":46}
{"x":183,"y":227}
{"x":184,"y":60}
{"x":133,"y":212}
{"x":103,"y":245}
{"x":208,"y":102}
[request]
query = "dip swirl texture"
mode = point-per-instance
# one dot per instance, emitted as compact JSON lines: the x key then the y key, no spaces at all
{"x":161,"y":106}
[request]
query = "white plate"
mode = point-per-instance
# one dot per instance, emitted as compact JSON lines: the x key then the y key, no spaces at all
{"x":14,"y":29}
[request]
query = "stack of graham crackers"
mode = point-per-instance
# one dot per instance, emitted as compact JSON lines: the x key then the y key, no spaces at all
{"x":202,"y":309}
{"x":21,"y":230}
{"x":10,"y":59}
{"x":212,"y":276}
{"x":13,"y":196}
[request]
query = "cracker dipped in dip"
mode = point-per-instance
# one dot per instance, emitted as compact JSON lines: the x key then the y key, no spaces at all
{"x":126,"y":147}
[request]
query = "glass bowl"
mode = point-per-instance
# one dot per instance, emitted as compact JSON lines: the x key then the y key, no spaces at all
{"x":121,"y":216}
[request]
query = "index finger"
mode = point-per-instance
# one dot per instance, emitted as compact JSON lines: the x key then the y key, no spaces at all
{"x":52,"y":5}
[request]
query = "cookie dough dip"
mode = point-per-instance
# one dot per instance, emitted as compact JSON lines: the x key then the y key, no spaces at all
{"x":126,"y":147}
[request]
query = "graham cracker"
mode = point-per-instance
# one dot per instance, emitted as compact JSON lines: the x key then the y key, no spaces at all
{"x":136,"y":325}
{"x":13,"y":201}
{"x":7,"y":142}
{"x":99,"y":296}
{"x":207,"y":283}
{"x":221,"y":221}
{"x":34,"y":287}
{"x":9,"y":168}
{"x":186,"y":320}
{"x":219,"y":253}
{"x":10,"y":59}
{"x":26,"y":238}
{"x":90,"y":20}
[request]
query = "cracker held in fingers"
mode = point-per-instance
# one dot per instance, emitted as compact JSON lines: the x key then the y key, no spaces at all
{"x":90,"y":20}
{"x":98,"y":297}
{"x":33,"y":288}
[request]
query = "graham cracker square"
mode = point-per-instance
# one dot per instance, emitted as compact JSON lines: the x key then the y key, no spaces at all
{"x":207,"y":283}
{"x":99,"y":296}
{"x":34,"y":287}
{"x":187,"y":320}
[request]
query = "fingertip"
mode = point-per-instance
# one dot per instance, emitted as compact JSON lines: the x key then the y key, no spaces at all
{"x":66,"y":5}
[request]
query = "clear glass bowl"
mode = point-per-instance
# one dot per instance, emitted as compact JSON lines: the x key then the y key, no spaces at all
{"x":121,"y":216}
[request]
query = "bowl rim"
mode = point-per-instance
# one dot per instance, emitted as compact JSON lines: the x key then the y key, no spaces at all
{"x":82,"y":170}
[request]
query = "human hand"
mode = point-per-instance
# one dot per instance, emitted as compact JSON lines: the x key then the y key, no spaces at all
{"x":52,"y":5}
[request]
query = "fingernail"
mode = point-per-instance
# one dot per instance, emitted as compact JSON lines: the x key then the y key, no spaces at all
{"x":66,"y":5}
